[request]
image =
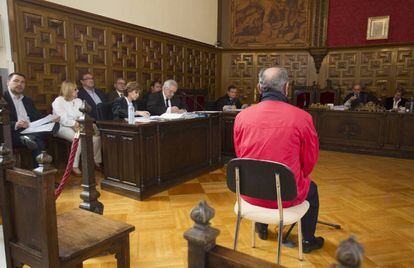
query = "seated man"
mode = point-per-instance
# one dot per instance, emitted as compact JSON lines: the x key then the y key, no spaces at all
{"x":277,"y":131}
{"x":165,"y":101}
{"x":155,"y":87}
{"x":393,"y":103}
{"x":22,"y":112}
{"x":356,"y":97}
{"x":229,"y":101}
{"x":93,"y":96}
{"x":119,"y":91}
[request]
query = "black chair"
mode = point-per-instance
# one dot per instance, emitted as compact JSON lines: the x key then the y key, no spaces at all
{"x":270,"y":181}
{"x":104,"y":111}
{"x":210,"y":106}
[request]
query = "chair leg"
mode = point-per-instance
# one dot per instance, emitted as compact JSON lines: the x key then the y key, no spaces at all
{"x":122,"y":256}
{"x":300,"y":240}
{"x":279,"y":241}
{"x":236,"y":235}
{"x":253,"y":234}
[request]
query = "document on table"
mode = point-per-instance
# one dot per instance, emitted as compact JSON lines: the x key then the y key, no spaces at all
{"x":171,"y":116}
{"x":44,"y":124}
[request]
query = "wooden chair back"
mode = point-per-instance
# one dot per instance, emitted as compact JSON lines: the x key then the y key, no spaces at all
{"x":29,"y":215}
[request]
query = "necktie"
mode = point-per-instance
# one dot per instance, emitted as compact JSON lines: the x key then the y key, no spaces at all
{"x":167,"y":103}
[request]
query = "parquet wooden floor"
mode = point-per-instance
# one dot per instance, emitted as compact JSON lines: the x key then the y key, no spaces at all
{"x":371,"y":197}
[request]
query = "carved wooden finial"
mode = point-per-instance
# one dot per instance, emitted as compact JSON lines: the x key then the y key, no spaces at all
{"x":6,"y":158}
{"x":350,"y":253}
{"x":4,"y":151}
{"x":202,"y":214}
{"x":44,"y":160}
{"x":86,"y":108}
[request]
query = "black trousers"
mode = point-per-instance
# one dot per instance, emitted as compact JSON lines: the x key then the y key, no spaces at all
{"x":36,"y":137}
{"x":310,"y":219}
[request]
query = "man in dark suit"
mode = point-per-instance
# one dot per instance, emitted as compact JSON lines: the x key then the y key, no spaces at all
{"x":155,"y":87}
{"x":393,"y":103}
{"x":165,"y":101}
{"x":119,"y":90}
{"x":93,"y":96}
{"x":357,"y":97}
{"x":22,"y":112}
{"x":229,"y":101}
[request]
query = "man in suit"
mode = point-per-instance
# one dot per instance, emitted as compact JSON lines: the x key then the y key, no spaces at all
{"x":22,"y":112}
{"x":119,"y":91}
{"x":93,"y":96}
{"x":155,"y":87}
{"x":165,"y":101}
{"x":357,"y":97}
{"x":229,"y":101}
{"x":393,"y":103}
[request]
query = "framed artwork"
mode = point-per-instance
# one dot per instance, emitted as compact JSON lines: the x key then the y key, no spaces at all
{"x":378,"y":27}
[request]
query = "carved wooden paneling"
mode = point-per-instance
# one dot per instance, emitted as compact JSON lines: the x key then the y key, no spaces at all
{"x":381,"y":70}
{"x":245,"y":67}
{"x":53,"y":44}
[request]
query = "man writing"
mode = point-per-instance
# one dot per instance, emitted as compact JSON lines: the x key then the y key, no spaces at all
{"x":165,"y":101}
{"x":22,"y":113}
{"x":277,"y":131}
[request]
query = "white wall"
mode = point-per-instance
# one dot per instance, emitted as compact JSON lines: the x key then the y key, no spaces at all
{"x":193,"y":19}
{"x":6,"y":64}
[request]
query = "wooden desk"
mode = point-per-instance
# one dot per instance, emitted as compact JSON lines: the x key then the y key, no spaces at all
{"x":385,"y":133}
{"x":147,"y":158}
{"x":388,"y":134}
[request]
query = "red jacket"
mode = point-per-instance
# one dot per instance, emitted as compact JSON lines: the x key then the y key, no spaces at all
{"x":280,"y":132}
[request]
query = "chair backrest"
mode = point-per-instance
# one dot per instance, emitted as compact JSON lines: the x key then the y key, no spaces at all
{"x":104,"y":111}
{"x":29,"y":217}
{"x":257,"y":179}
{"x":210,"y":106}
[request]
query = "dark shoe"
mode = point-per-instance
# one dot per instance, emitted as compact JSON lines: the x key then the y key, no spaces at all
{"x":314,"y":244}
{"x":28,"y":142}
{"x":261,"y":229}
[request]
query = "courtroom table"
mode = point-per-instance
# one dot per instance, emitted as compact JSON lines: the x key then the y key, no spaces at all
{"x":381,"y":133}
{"x":146,"y":158}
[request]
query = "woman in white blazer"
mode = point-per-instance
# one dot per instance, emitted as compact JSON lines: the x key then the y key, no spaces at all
{"x":67,"y":107}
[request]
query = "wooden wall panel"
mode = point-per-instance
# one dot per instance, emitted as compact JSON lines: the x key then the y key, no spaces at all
{"x":380,"y":70}
{"x":242,"y":68}
{"x":52,"y":43}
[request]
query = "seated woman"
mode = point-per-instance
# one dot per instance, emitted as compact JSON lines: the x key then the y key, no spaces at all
{"x":67,"y":107}
{"x":120,"y":105}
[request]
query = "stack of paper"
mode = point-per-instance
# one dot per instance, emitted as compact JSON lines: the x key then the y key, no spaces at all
{"x":44,"y":124}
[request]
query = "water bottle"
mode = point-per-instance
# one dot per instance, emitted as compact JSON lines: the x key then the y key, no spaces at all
{"x":131,"y":113}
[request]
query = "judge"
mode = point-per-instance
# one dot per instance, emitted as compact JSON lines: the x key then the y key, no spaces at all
{"x":393,"y":103}
{"x":356,"y":97}
{"x":166,"y":101}
{"x":229,"y":101}
{"x":120,"y":105}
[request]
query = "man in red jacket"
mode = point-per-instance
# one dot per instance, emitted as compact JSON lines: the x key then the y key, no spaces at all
{"x":277,"y":131}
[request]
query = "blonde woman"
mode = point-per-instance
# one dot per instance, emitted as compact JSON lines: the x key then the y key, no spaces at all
{"x":67,"y":107}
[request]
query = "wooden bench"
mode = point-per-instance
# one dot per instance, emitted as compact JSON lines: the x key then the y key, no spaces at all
{"x":34,"y":235}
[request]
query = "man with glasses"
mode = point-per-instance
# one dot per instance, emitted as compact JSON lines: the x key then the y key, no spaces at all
{"x":93,"y":96}
{"x":119,"y":86}
{"x":165,"y":101}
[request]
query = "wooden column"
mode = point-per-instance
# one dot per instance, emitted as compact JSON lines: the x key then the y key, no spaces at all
{"x":5,"y":124}
{"x":202,"y":237}
{"x":89,"y":195}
